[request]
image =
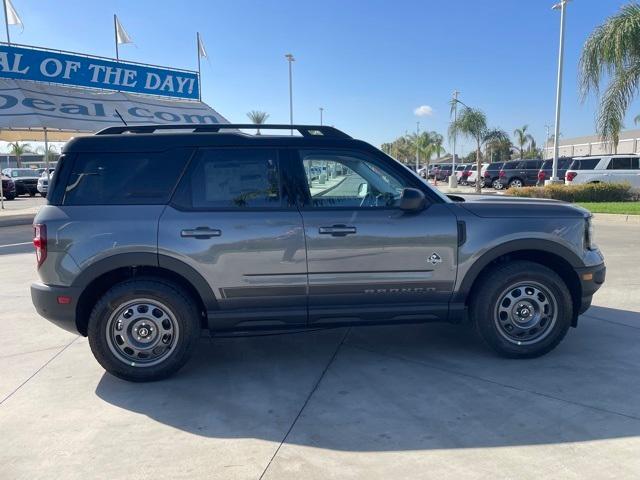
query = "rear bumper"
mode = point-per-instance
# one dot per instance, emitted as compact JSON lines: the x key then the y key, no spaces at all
{"x":591,"y":279}
{"x":45,"y":299}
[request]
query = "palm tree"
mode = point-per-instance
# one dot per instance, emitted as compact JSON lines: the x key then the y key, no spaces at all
{"x":472,"y":123}
{"x":523,"y":138}
{"x":611,"y":52}
{"x":258,"y":117}
{"x":18,"y":149}
{"x":48,"y":153}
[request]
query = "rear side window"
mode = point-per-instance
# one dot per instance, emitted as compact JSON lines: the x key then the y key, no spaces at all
{"x":625,"y":163}
{"x":532,"y":164}
{"x":226,"y":179}
{"x":124,"y":178}
{"x":584,"y":164}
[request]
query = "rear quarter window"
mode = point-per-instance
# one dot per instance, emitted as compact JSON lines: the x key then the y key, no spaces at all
{"x":584,"y":164}
{"x":146,"y":178}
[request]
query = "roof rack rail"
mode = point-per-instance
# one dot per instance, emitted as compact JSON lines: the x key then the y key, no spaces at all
{"x":304,"y":130}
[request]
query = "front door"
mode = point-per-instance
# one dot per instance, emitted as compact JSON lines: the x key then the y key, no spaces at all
{"x":231,"y":221}
{"x":367,"y":259}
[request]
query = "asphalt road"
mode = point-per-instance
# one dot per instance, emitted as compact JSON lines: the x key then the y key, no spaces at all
{"x":425,"y":401}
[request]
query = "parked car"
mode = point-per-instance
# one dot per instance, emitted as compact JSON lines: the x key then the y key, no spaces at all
{"x":606,"y":168}
{"x":25,"y":179}
{"x":443,"y":172}
{"x":464,"y":175}
{"x":433,"y":168}
{"x":473,"y":173}
{"x":519,"y":173}
{"x":43,"y":181}
{"x":546,"y":170}
{"x":460,"y":167}
{"x":8,"y":187}
{"x":148,"y":239}
{"x":490,"y":175}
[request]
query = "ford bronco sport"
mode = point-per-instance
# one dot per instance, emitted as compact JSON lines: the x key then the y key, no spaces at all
{"x":151,"y":236}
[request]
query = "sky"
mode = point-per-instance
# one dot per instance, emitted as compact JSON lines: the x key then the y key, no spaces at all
{"x":369,"y":64}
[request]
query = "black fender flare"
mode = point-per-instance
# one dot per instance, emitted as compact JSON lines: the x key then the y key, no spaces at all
{"x":514,"y":246}
{"x":148,"y":259}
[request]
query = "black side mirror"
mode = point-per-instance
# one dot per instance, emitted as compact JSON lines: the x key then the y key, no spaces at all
{"x":412,"y":200}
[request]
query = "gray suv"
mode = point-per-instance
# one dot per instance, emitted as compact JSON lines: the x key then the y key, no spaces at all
{"x":151,"y":237}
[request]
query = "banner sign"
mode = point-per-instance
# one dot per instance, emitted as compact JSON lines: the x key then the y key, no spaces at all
{"x":29,"y":105}
{"x":22,"y":63}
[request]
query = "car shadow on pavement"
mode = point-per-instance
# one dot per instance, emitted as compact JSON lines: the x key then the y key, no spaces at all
{"x":417,"y":387}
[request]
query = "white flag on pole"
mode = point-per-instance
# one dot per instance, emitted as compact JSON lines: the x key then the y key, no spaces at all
{"x":201,"y":50}
{"x":121,"y":34}
{"x":12,"y":15}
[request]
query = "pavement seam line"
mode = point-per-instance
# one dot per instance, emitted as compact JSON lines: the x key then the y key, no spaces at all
{"x":306,"y":402}
{"x":494,"y":382}
{"x":609,"y":321}
{"x":38,"y":371}
{"x":12,"y":355}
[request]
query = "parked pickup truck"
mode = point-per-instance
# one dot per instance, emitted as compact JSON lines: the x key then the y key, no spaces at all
{"x":150,"y":237}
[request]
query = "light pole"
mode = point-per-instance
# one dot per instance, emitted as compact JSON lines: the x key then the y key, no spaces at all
{"x":321,"y":111}
{"x":562,"y":6}
{"x":453,"y":180}
{"x":417,"y":146}
{"x":290,"y":59}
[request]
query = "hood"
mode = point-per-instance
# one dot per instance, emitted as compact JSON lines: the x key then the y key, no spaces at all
{"x":502,"y":206}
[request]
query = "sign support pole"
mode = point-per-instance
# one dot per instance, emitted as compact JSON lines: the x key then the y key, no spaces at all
{"x":115,"y":33}
{"x":199,"y":73}
{"x":6,"y":24}
{"x":46,"y":157}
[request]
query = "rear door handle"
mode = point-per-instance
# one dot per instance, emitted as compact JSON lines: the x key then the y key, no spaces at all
{"x":337,"y":230}
{"x":200,"y":232}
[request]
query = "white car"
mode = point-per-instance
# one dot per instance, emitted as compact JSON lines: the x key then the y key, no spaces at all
{"x":471,"y":179}
{"x":43,"y":182}
{"x":606,"y":168}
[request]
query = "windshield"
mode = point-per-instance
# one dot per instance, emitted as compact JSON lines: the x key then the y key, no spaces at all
{"x":24,"y":172}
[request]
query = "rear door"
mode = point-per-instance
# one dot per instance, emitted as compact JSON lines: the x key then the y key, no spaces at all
{"x":232,"y":222}
{"x":623,"y":169}
{"x":367,"y":259}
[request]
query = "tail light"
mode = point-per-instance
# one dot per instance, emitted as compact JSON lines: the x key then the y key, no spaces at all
{"x":570,"y":176}
{"x":541,"y":175}
{"x":487,"y":174}
{"x":466,"y":173}
{"x":502,"y":174}
{"x":40,"y":242}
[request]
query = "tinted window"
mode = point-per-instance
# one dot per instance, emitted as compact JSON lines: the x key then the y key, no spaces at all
{"x":625,"y":163}
{"x":231,"y":179}
{"x":495,"y":166}
{"x":532,"y":164}
{"x":584,"y":164}
{"x":124,"y":178}
{"x":345,"y":180}
{"x":510,"y":165}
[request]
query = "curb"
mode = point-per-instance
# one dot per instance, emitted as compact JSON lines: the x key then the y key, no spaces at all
{"x":617,"y":218}
{"x":15,"y":220}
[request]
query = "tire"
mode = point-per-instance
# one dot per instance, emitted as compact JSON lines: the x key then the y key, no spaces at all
{"x":10,"y":197}
{"x":32,"y":193}
{"x":516,"y":183}
{"x":165,"y":328}
{"x":497,"y":185}
{"x":521,"y":309}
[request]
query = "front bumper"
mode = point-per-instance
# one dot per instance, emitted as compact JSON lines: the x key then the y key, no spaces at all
{"x":591,"y":279}
{"x":45,"y":299}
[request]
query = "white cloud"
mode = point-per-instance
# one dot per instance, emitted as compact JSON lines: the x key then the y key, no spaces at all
{"x":423,"y":111}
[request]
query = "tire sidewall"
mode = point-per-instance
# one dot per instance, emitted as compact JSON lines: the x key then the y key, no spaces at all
{"x":182,"y":308}
{"x":485,"y":314}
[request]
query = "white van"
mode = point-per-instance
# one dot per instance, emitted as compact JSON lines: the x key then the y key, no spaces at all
{"x":605,"y":168}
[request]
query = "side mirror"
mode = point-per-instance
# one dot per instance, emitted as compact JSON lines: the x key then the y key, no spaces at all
{"x":412,"y":200}
{"x":363,"y":189}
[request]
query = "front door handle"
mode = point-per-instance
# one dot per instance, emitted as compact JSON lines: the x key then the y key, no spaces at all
{"x":337,"y":230}
{"x":200,"y":233}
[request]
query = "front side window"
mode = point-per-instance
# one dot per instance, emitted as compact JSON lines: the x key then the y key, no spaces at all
{"x":584,"y":164}
{"x":231,"y":179}
{"x":349,"y":181}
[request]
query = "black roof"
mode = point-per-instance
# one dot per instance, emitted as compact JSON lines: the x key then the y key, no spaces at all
{"x":162,"y":137}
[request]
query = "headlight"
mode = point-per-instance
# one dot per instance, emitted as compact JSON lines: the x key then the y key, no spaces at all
{"x":589,"y":243}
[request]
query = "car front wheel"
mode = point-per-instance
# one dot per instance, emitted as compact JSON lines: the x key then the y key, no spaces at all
{"x":144,"y":329}
{"x":522,"y":309}
{"x":515,"y":183}
{"x":497,"y":185}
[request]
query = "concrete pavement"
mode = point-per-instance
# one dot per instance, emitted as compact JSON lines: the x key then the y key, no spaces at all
{"x":425,"y":401}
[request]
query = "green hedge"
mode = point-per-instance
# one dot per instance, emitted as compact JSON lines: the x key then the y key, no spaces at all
{"x":590,"y":192}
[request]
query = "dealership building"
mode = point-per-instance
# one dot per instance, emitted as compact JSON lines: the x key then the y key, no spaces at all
{"x":594,"y":145}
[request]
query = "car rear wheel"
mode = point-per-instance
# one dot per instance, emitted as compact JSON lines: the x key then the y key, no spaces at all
{"x":522,"y":309}
{"x":144,"y":330}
